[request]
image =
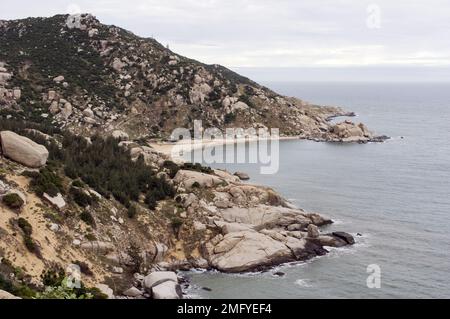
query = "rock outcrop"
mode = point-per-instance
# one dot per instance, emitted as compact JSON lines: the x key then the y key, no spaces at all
{"x":23,"y":150}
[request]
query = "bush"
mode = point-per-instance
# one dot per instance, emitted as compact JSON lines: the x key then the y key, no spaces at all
{"x":229,"y":118}
{"x":53,"y":277}
{"x":80,"y":197}
{"x":172,"y":168}
{"x":45,"y":181}
{"x":176,"y":223}
{"x":77,"y":183}
{"x":132,"y":211}
{"x":88,"y":218}
{"x":25,"y":226}
{"x":13,"y":201}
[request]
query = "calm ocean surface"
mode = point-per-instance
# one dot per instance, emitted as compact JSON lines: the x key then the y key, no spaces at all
{"x":396,"y":194}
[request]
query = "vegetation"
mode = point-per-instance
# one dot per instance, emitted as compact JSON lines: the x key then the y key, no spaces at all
{"x":45,"y":181}
{"x":27,"y":231}
{"x":80,"y":197}
{"x":229,"y":118}
{"x":103,"y":165}
{"x":13,"y":201}
{"x":88,"y":218}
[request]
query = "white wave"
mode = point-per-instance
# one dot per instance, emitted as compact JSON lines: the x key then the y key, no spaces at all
{"x":302,"y":283}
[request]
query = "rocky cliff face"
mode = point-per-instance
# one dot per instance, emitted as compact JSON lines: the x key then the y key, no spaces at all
{"x":76,"y":73}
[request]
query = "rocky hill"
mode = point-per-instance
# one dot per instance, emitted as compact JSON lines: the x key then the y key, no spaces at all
{"x":119,"y":211}
{"x":74,"y":72}
{"x":81,"y":185}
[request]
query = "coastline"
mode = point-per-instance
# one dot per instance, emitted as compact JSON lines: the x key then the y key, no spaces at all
{"x":166,"y":148}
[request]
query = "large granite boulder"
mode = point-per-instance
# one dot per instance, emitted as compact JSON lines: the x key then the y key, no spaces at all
{"x":167,"y":290}
{"x":23,"y":150}
{"x":190,"y":179}
{"x":158,"y":277}
{"x":246,"y":251}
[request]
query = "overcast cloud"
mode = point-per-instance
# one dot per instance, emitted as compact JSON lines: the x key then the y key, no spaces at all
{"x":282,"y":33}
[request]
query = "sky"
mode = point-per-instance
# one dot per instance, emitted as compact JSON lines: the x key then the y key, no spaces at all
{"x":285,"y":39}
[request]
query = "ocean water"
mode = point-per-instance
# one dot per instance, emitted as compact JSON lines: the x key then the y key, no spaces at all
{"x":396,"y":194}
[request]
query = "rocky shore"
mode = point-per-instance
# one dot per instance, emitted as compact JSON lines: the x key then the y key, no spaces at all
{"x":215,"y":221}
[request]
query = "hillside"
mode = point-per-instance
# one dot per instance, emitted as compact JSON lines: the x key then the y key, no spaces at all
{"x":74,"y":72}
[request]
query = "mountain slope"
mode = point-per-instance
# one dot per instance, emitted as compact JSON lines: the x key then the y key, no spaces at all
{"x":78,"y":73}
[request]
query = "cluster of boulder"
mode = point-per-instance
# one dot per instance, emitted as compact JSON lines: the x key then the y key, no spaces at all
{"x":156,"y":285}
{"x":253,"y":227}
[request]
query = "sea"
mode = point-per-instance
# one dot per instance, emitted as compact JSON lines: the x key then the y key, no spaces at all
{"x":395,"y":195}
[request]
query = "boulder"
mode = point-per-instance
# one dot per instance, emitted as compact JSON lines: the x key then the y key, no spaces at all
{"x":67,"y":110}
{"x":247,"y":251}
{"x":7,"y":295}
{"x":242,"y":176}
{"x":58,"y":79}
{"x":132,"y":292}
{"x":98,"y":246}
{"x":263,"y":216}
{"x":105,"y":289}
{"x":345,"y":236}
{"x":313,"y":231}
{"x":158,"y":277}
{"x":226,"y":176}
{"x":191,"y":178}
{"x":23,"y":150}
{"x":57,"y":201}
{"x":118,"y":134}
{"x":167,"y":290}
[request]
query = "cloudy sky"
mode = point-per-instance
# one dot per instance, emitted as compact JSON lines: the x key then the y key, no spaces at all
{"x":254,"y":36}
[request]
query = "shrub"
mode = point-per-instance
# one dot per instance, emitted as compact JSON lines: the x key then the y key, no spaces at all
{"x":132,"y":211}
{"x":80,"y":197}
{"x":87,"y":218}
{"x":25,"y":226}
{"x":77,"y":183}
{"x":176,"y":223}
{"x":172,"y":168}
{"x":229,"y":118}
{"x":53,"y":277}
{"x":45,"y":181}
{"x":13,"y":201}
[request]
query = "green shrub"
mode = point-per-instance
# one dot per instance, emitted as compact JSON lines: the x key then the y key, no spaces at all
{"x":13,"y":201}
{"x":25,"y":226}
{"x":77,"y":183}
{"x":45,"y":181}
{"x":176,"y":223}
{"x":229,"y":118}
{"x":132,"y":211}
{"x":87,"y":218}
{"x":80,"y":197}
{"x":53,"y":276}
{"x":172,"y":167}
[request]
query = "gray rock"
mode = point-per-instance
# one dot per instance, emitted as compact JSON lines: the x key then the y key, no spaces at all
{"x":57,"y":201}
{"x":23,"y":150}
{"x":7,"y":295}
{"x":158,"y":277}
{"x":167,"y":290}
{"x":105,"y":289}
{"x":133,"y":292}
{"x":242,"y":176}
{"x":313,"y":231}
